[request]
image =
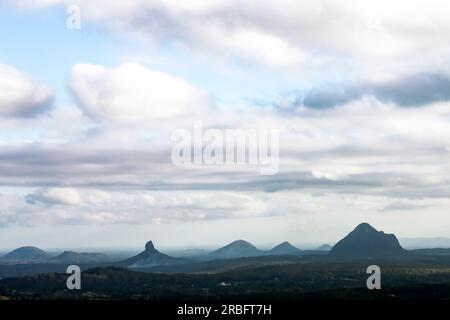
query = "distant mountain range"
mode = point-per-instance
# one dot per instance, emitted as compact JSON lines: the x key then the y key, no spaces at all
{"x":151,"y":257}
{"x":363,"y":242}
{"x":33,"y":255}
{"x":366,"y":242}
{"x":425,"y":243}
{"x":244,"y":249}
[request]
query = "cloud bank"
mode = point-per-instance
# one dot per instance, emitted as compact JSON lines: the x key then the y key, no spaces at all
{"x":21,"y":95}
{"x":284,"y":33}
{"x":364,"y":127}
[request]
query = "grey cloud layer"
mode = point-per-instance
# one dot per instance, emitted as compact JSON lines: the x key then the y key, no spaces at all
{"x":363,"y":149}
{"x":411,"y":91}
{"x":106,"y":165}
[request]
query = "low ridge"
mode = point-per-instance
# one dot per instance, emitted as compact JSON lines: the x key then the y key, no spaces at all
{"x":70,"y":257}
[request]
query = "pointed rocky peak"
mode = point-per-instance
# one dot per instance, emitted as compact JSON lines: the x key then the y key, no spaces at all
{"x":150,"y":257}
{"x":150,"y":248}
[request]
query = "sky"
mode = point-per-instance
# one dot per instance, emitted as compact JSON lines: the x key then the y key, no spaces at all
{"x":359,"y":93}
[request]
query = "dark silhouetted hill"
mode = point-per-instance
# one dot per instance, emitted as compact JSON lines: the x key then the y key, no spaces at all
{"x":366,"y":242}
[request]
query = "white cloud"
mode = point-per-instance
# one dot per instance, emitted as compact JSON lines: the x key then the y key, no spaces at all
{"x":286,"y":31}
{"x":338,"y":167}
{"x":132,"y":93}
{"x":20,"y":95}
{"x":62,"y":205}
{"x":52,"y":196}
{"x":68,"y":197}
{"x":255,"y":45}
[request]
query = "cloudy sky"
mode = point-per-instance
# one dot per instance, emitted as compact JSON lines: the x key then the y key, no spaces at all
{"x":359,"y":91}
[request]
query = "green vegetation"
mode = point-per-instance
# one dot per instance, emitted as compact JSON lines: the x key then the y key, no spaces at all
{"x":418,"y":277}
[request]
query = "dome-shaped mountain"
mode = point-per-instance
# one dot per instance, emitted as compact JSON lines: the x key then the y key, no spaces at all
{"x":366,"y":242}
{"x":236,"y":249}
{"x":151,"y":257}
{"x":284,"y":248}
{"x":26,"y":254}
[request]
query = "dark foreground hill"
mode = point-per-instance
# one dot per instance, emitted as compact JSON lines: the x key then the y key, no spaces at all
{"x":287,"y":281}
{"x":366,"y":242}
